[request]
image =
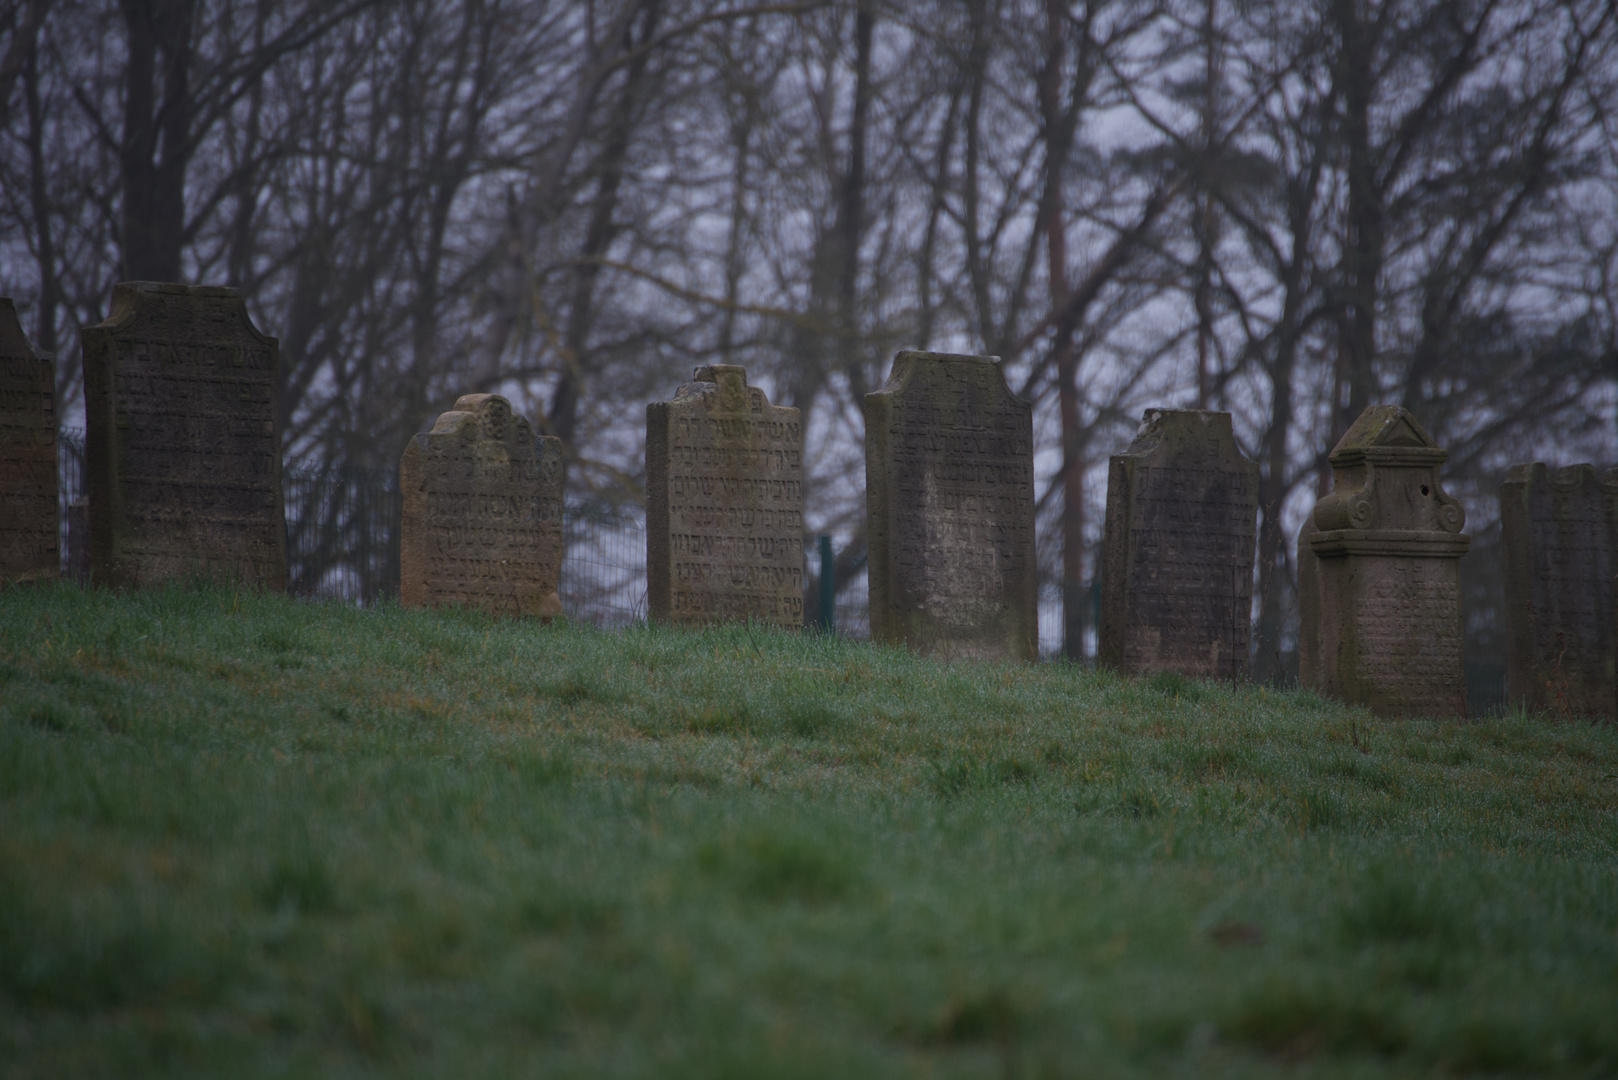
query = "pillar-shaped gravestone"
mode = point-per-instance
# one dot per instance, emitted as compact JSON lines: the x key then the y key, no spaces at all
{"x":481,"y":516}
{"x":724,"y":504}
{"x":949,"y":491}
{"x":1558,"y":534}
{"x":1177,"y":562}
{"x":27,"y":455}
{"x":182,"y":444}
{"x":1379,"y":567}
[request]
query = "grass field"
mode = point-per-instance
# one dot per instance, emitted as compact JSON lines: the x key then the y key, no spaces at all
{"x":246,"y":836}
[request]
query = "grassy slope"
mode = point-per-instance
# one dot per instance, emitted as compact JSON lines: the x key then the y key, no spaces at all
{"x":248,"y":836}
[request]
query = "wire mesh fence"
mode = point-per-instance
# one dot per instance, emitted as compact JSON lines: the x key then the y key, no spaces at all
{"x":342,"y":544}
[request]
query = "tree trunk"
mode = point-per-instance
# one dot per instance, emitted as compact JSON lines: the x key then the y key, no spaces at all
{"x":156,"y":138}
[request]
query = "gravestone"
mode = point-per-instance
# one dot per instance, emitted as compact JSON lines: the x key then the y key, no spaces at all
{"x":481,"y":516}
{"x":1177,"y":581}
{"x":1379,"y":574}
{"x":949,"y":490}
{"x":27,"y":455}
{"x":724,"y":504}
{"x":182,"y":444}
{"x":1558,"y":536}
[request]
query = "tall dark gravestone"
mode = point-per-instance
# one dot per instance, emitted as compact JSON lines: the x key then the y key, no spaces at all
{"x":1558,"y":536}
{"x":949,"y":489}
{"x":724,"y":504}
{"x":28,"y":530}
{"x":182,"y":447}
{"x":481,"y":512}
{"x":1379,"y":574}
{"x":1177,"y":562}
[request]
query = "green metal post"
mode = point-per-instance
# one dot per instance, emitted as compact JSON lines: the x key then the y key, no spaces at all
{"x":828,"y":587}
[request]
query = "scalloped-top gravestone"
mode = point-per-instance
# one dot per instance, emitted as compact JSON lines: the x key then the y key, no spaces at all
{"x":1177,"y":582}
{"x":28,"y":529}
{"x":481,"y":512}
{"x":949,"y":489}
{"x":1379,"y":583}
{"x":724,"y":504}
{"x":182,"y":447}
{"x":1558,"y":537}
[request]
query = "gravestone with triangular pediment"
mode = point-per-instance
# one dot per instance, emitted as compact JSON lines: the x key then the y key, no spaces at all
{"x":28,"y":528}
{"x":1379,"y":574}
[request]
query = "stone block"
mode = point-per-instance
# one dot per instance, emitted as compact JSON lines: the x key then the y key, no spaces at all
{"x":724,"y":504}
{"x":481,"y":512}
{"x":28,"y":533}
{"x":1379,"y":574}
{"x":949,"y":490}
{"x":1177,"y":554}
{"x":182,"y":440}
{"x":1558,"y":536}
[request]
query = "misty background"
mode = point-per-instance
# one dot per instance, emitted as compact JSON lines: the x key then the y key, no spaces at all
{"x":1287,"y":209}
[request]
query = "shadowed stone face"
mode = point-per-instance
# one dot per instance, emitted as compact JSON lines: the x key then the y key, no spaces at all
{"x":1558,"y":533}
{"x":724,"y":504}
{"x":1177,"y":580}
{"x":27,"y":455}
{"x":481,"y":520}
{"x":949,"y":488}
{"x":1379,"y":574}
{"x":183,"y":452}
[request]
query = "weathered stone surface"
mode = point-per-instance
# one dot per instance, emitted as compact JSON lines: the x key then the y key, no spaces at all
{"x":481,"y":514}
{"x":27,"y":455}
{"x":1177,"y":580}
{"x":1379,"y":574}
{"x":182,"y":447}
{"x":949,"y":490}
{"x":724,"y":504}
{"x":1558,"y":535}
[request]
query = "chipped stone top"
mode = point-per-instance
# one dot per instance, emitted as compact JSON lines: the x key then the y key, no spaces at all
{"x":483,"y":417}
{"x":722,"y":388}
{"x":980,"y":370}
{"x":1566,"y":478}
{"x":174,"y":309}
{"x":1385,"y":479}
{"x":14,"y":344}
{"x":1200,"y":434}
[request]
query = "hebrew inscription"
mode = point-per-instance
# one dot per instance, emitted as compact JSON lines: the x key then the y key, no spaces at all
{"x":724,"y":504}
{"x":183,"y":451}
{"x":1558,"y":533}
{"x":28,"y":532}
{"x":950,"y":501}
{"x":1178,"y":550}
{"x":481,"y":520}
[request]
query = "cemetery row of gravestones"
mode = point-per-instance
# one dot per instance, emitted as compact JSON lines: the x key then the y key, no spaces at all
{"x":183,"y":462}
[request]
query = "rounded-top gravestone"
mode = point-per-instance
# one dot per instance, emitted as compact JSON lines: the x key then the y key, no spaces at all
{"x":481,"y":512}
{"x":949,"y":490}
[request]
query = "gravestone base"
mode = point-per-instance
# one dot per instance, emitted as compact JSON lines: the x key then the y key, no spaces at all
{"x":1395,"y":645}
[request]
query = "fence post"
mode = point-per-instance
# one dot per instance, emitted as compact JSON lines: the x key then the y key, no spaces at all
{"x":828,"y":587}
